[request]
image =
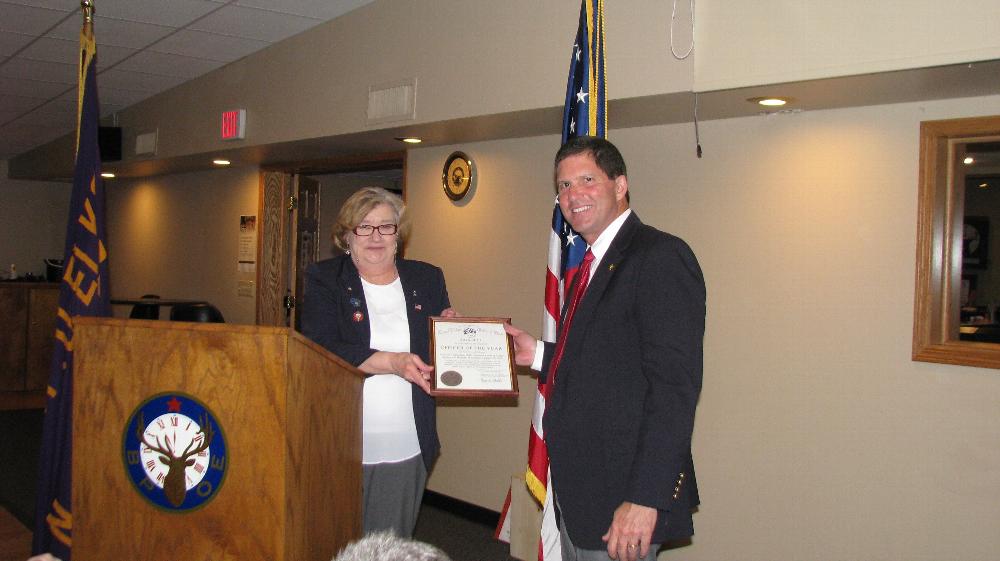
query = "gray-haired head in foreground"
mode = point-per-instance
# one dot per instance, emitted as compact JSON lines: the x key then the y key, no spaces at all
{"x":386,"y":546}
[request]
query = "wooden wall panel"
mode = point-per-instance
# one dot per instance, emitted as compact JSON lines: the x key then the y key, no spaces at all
{"x":272,"y":261}
{"x":14,"y":311}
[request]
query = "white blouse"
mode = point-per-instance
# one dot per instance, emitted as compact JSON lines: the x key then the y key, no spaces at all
{"x":389,"y":432}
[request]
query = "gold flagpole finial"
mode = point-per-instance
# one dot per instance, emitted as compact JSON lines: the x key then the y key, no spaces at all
{"x":88,"y":10}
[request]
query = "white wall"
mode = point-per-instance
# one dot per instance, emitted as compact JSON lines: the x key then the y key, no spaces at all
{"x":817,"y":437}
{"x":178,"y":236}
{"x":33,"y":224}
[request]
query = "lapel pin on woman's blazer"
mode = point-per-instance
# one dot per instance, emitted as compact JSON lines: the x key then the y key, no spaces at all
{"x":357,"y":317}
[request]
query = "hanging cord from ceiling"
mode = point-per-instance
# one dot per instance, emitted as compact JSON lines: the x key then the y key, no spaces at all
{"x":673,"y":18}
{"x":690,"y":49}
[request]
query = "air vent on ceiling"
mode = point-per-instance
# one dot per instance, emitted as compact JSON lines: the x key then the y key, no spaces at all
{"x":394,"y":101}
{"x":145,"y":144}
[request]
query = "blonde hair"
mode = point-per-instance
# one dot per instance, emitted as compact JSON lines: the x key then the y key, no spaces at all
{"x":357,"y":207}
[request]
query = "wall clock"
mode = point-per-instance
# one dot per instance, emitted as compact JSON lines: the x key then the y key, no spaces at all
{"x":458,"y":175}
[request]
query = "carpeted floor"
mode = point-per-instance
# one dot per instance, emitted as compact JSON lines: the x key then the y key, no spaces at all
{"x":15,"y":539}
{"x":463,"y":531}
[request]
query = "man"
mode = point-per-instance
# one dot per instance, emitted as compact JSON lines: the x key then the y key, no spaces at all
{"x":619,"y":420}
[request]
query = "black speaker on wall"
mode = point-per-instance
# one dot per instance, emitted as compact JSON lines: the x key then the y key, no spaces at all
{"x":109,"y":140}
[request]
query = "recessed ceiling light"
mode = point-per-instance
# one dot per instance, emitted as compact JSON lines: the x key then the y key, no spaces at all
{"x":984,"y":185}
{"x":969,"y":160}
{"x":107,"y":175}
{"x":409,"y":139}
{"x":769,"y":101}
{"x":221,"y":162}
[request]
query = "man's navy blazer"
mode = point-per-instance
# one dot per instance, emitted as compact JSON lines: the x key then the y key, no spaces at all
{"x":332,"y":301}
{"x":618,"y":423}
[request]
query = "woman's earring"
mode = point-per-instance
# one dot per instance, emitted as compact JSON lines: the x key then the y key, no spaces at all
{"x":348,"y":252}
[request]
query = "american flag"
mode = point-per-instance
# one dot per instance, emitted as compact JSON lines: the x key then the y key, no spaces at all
{"x":84,"y":292}
{"x":584,"y":114}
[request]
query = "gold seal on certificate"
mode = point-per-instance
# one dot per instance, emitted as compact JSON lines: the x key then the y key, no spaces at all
{"x":472,"y":357}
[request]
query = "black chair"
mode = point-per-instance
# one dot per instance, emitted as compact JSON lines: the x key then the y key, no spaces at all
{"x":201,"y":312}
{"x":146,"y":311}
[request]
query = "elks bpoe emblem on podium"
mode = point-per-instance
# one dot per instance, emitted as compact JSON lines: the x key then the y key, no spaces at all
{"x":174,"y":452}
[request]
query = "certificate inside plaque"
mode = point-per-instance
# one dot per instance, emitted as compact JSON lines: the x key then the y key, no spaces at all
{"x":472,"y":357}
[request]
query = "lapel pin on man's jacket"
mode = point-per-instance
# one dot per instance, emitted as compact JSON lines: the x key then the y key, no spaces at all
{"x":357,"y":317}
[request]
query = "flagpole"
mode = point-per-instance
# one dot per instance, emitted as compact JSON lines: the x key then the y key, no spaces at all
{"x":83,"y":291}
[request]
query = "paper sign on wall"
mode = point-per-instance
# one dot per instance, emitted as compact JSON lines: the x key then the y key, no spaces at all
{"x":247,"y":260}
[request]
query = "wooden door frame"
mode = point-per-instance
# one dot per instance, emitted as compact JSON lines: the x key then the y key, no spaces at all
{"x":274,"y":258}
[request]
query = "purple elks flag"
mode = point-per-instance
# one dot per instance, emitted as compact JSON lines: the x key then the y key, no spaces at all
{"x":84,"y":292}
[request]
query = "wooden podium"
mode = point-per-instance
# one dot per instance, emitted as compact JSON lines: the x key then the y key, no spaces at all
{"x":287,"y":411}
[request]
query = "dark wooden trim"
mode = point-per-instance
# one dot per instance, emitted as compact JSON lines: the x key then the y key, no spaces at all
{"x":22,"y":400}
{"x":460,"y":508}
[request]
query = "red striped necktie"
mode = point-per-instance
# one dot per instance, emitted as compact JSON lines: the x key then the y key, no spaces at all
{"x":580,"y":286}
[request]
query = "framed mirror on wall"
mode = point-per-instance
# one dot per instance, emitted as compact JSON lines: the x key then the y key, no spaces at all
{"x":957,"y":306}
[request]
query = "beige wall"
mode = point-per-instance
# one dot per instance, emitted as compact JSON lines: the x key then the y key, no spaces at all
{"x":772,"y":41}
{"x":492,"y":250}
{"x":33,"y":218}
{"x":335,"y":188}
{"x":469,"y":59}
{"x":178,"y":236}
{"x":817,"y":437}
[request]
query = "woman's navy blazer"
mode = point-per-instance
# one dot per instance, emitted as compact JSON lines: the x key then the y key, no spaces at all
{"x":335,"y":315}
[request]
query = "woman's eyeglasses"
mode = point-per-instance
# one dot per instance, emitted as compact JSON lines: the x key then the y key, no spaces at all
{"x":368,"y":229}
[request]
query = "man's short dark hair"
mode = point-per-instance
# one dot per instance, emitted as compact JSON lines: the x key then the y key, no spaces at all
{"x":607,"y":156}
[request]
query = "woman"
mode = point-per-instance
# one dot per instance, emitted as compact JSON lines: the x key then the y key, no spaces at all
{"x":370,"y":307}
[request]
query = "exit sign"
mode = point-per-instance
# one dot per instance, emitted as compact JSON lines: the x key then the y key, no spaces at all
{"x":234,"y":124}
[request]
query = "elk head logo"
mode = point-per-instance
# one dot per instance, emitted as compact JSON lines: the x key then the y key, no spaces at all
{"x":175,"y":482}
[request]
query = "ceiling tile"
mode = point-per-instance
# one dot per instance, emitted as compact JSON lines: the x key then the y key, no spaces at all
{"x":115,"y":32}
{"x":59,"y":5}
{"x":20,"y":67}
{"x":31,"y":88}
{"x":18,"y":104}
{"x":252,"y":23}
{"x":208,"y":45}
{"x":64,"y":50}
{"x":144,"y":47}
{"x":321,"y":9}
{"x":136,"y":81}
{"x":49,"y":125}
{"x":17,"y":133}
{"x":110,"y":100}
{"x":56,"y":108}
{"x":176,"y":13}
{"x":166,"y":64}
{"x":10,"y":43}
{"x":120,"y":97}
{"x":29,"y":19}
